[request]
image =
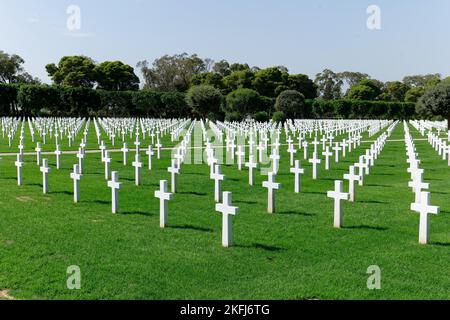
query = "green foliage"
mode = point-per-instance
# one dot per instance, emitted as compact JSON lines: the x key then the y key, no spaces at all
{"x":329,"y":85}
{"x":233,"y":116}
{"x":73,"y":71}
{"x":172,"y":73}
{"x":147,"y":103}
{"x":437,"y":100}
{"x":278,"y":116}
{"x":79,"y":101}
{"x":204,"y":99}
{"x":291,"y":103}
{"x":414,"y":94}
{"x":116,"y":103}
{"x":174,"y":105}
{"x":267,"y":81}
{"x":239,"y":79}
{"x":302,"y":84}
{"x":243,"y":101}
{"x":32,"y":98}
{"x":8,"y":99}
{"x":261,"y":116}
{"x":394,"y":91}
{"x":116,"y":76}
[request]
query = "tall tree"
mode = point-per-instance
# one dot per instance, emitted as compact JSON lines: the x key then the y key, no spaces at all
{"x":437,"y":100}
{"x":116,"y":76}
{"x":12,"y":71}
{"x":421,"y":80}
{"x":329,"y":85}
{"x":394,"y":91}
{"x":73,"y":71}
{"x":171,"y":73}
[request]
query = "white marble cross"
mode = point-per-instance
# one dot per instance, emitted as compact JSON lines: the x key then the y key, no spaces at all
{"x":150,"y":154}
{"x":240,"y":157}
{"x":291,"y":150}
{"x":424,"y":208}
{"x":297,"y":171}
{"x":338,"y":195}
{"x":251,"y":165}
{"x":137,"y":164}
{"x":271,"y":185}
{"x":351,"y":177}
{"x":125,"y":150}
{"x":115,"y":186}
{"x":336,"y":149}
{"x":58,"y":154}
{"x":417,"y":184}
{"x":19,"y":165}
{"x":227,"y":211}
{"x":315,"y":161}
{"x":327,"y":154}
{"x":106,"y":161}
{"x":174,"y":170}
{"x":218,"y":177}
{"x":38,"y":153}
{"x":275,"y":157}
{"x":158,"y":149}
{"x":164,"y":198}
{"x":45,"y":170}
{"x":80,"y":156}
{"x":76,"y":177}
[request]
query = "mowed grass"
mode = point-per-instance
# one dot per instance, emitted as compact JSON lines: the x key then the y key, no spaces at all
{"x":293,"y":254}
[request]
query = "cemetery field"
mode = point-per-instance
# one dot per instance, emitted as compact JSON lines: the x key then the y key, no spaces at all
{"x":294,"y":253}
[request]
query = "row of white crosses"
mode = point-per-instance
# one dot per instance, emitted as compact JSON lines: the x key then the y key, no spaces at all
{"x":440,"y":145}
{"x":422,"y":198}
{"x":365,"y":162}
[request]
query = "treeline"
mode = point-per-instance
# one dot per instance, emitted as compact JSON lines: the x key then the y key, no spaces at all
{"x":46,"y":100}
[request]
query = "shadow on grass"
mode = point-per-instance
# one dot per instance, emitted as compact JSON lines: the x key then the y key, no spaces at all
{"x":194,"y":193}
{"x":191,"y":227}
{"x":378,"y":185}
{"x":35,"y":185}
{"x":441,"y":244}
{"x":141,"y":213}
{"x":246,"y":202}
{"x":373,"y":201}
{"x":299,"y":213}
{"x":261,"y":246}
{"x":365,"y":227}
{"x":99,"y":201}
{"x":62,"y":192}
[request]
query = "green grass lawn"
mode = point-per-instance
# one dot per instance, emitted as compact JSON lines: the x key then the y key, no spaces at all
{"x":293,"y":254}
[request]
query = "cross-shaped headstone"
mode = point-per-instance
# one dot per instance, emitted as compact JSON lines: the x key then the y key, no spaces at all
{"x":164,"y":198}
{"x":271,"y":185}
{"x":338,"y":195}
{"x":424,"y":208}
{"x":227,"y":211}
{"x":76,"y":177}
{"x":115,"y":186}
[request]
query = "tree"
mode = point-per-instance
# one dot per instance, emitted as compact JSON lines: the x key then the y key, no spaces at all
{"x":437,"y":100}
{"x":414,"y":94}
{"x":302,"y":84}
{"x":204,"y":99}
{"x":147,"y":103}
{"x":239,"y":79}
{"x":222,"y":67}
{"x":352,"y":79}
{"x":171,"y":73}
{"x":243,"y":101}
{"x":174,"y":104}
{"x":116,"y":76}
{"x":73,"y":71}
{"x":394,"y":91}
{"x":210,"y":78}
{"x":421,"y":80}
{"x":329,"y":85}
{"x":267,"y":80}
{"x":367,"y":89}
{"x":291,"y":103}
{"x":11,"y":70}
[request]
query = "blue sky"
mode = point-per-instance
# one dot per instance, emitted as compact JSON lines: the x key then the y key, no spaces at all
{"x":305,"y":36}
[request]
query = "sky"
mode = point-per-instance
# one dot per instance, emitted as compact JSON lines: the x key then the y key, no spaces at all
{"x":304,"y":36}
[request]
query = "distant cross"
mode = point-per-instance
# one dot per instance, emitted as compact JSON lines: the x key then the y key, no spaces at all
{"x":297,"y":171}
{"x":45,"y":170}
{"x":218,"y":177}
{"x":336,"y":149}
{"x":271,"y":185}
{"x":38,"y":153}
{"x":240,"y":157}
{"x":227,"y":211}
{"x":424,"y":208}
{"x":174,"y":170}
{"x":80,"y":156}
{"x":125,"y":150}
{"x":327,"y":154}
{"x":106,"y":161}
{"x":58,"y":154}
{"x":251,"y":165}
{"x":352,"y":177}
{"x":338,"y":195}
{"x":315,"y":161}
{"x":164,"y":198}
{"x":19,"y":165}
{"x":76,"y":177}
{"x":137,"y":164}
{"x":115,"y":186}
